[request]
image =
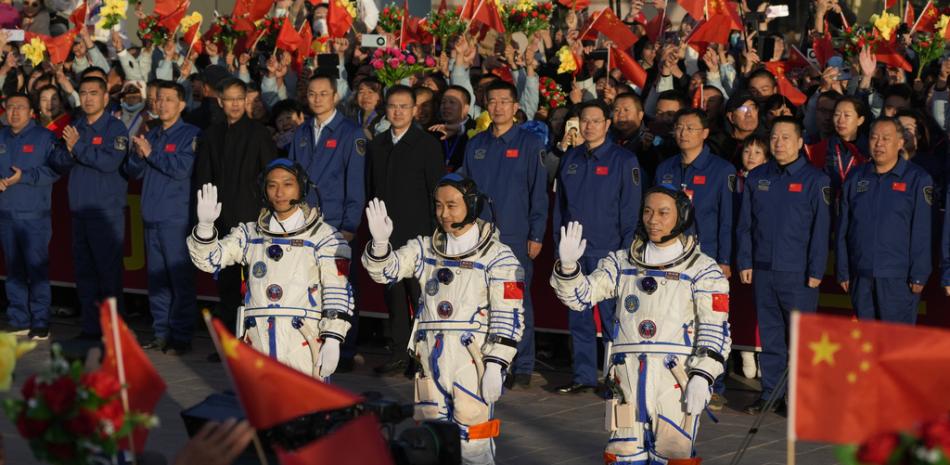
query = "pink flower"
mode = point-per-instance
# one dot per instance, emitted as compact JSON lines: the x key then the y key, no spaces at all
{"x":393,"y":63}
{"x":378,"y":53}
{"x":386,"y":10}
{"x":430,"y":62}
{"x":377,"y":64}
{"x":411,"y":59}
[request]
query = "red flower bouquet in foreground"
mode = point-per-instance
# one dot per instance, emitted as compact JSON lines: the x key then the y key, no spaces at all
{"x":929,"y":444}
{"x":73,"y":417}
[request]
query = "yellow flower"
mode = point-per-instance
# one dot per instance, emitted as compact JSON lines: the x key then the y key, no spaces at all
{"x":481,"y":124}
{"x":10,"y":351}
{"x":885,"y":23}
{"x":350,"y":8}
{"x":524,"y":5}
{"x":34,"y":50}
{"x":567,"y":60}
{"x":188,"y":21}
{"x":941,"y":26}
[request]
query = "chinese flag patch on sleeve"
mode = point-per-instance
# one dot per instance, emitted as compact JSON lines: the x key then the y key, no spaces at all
{"x":720,"y":303}
{"x":342,"y":267}
{"x":514,"y":290}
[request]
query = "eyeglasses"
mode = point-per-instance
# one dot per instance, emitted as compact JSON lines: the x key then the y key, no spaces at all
{"x":323,"y":94}
{"x":687,"y":129}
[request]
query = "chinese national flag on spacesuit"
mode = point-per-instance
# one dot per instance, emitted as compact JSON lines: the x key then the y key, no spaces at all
{"x":144,"y":386}
{"x":338,"y":447}
{"x":852,"y":379}
{"x":270,"y":392}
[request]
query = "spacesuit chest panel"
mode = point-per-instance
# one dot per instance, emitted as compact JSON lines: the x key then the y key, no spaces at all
{"x":282,"y":272}
{"x":655,"y":307}
{"x":454,"y":290}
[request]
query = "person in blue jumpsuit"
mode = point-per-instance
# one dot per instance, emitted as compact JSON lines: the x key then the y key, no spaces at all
{"x":332,"y":149}
{"x":782,"y":242}
{"x":165,"y":157}
{"x":26,"y":181}
{"x":710,"y":182}
{"x":96,"y":147}
{"x":505,"y":162}
{"x":884,"y":232}
{"x":598,"y":185}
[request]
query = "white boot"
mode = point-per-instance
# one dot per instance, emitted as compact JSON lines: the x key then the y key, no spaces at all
{"x":748,"y":364}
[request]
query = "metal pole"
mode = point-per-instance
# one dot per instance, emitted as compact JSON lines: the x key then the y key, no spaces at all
{"x":747,"y":440}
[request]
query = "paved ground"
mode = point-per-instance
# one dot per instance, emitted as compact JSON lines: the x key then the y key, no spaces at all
{"x":539,"y":427}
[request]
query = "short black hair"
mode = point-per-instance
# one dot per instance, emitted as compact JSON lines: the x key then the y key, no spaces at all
{"x":599,"y":104}
{"x":673,"y":95}
{"x":466,"y":96}
{"x":697,"y":112}
{"x":321,"y":76}
{"x":740,"y":99}
{"x":287,"y":106}
{"x":29,"y":101}
{"x":400,"y":89}
{"x":799,"y":130}
{"x":631,"y":96}
{"x":762,"y":72}
{"x":90,"y":70}
{"x":96,"y":80}
{"x":502,"y":85}
{"x":230,"y":82}
{"x":171,"y":85}
{"x":889,"y":120}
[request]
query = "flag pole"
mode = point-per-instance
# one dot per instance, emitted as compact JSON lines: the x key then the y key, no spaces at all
{"x":474,"y":13}
{"x":792,"y":386}
{"x":120,"y":368}
{"x":917,"y":21}
{"x":206,"y":315}
{"x":192,"y":43}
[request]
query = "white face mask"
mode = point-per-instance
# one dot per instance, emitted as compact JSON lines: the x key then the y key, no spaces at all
{"x":320,"y":27}
{"x":280,"y":12}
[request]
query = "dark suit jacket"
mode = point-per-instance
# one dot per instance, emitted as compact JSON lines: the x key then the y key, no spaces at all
{"x":453,"y":148}
{"x":404,"y":176}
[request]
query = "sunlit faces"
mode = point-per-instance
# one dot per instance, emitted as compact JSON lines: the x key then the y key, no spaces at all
{"x":886,"y":140}
{"x":689,"y":133}
{"x":659,"y":216}
{"x":502,"y":107}
{"x":594,"y":125}
{"x":93,"y":98}
{"x":282,"y":192}
{"x":450,"y":208}
{"x":18,"y":112}
{"x":321,"y":97}
{"x":847,"y":120}
{"x":785,"y":142}
{"x":233,"y":103}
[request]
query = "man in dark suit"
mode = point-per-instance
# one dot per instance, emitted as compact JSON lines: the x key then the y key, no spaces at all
{"x":231,"y":156}
{"x":403,"y":167}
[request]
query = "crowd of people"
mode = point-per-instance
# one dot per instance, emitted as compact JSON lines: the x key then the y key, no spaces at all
{"x":787,"y":159}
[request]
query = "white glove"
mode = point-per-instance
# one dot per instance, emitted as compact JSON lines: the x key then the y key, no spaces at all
{"x":329,"y":356}
{"x":572,"y":246}
{"x":380,"y":225}
{"x":697,"y":395}
{"x":209,"y":209}
{"x":491,"y":382}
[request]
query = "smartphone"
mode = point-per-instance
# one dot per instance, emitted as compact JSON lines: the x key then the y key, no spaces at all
{"x":15,"y":35}
{"x":572,"y":123}
{"x":776,"y":11}
{"x":768,"y":48}
{"x":373,"y":41}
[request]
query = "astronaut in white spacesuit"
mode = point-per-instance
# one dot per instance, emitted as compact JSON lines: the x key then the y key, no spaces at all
{"x":672,"y":336}
{"x":468,"y":322}
{"x":298,"y":303}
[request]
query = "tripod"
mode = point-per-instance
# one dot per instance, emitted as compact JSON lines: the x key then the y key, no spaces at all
{"x":747,"y":440}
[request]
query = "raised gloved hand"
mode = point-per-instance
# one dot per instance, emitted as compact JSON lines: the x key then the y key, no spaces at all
{"x":209,"y":209}
{"x":572,"y":246}
{"x":492,"y":381}
{"x":380,"y":225}
{"x":329,"y":356}
{"x":697,"y":395}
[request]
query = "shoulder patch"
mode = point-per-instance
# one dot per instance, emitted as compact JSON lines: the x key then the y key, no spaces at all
{"x":826,"y":194}
{"x":479,"y":154}
{"x":929,"y":194}
{"x":121,"y":143}
{"x":194,"y":144}
{"x":635,"y":173}
{"x":732,"y":183}
{"x":361,"y":146}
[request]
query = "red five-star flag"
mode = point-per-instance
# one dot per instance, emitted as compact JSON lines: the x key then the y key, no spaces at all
{"x":288,"y":39}
{"x":514,"y":290}
{"x":124,"y":359}
{"x":607,"y":23}
{"x":853,"y":379}
{"x":263,"y":384}
{"x":720,"y":303}
{"x":909,"y":15}
{"x":928,"y":17}
{"x":338,"y":447}
{"x":627,"y":66}
{"x":785,"y":87}
{"x":339,"y":20}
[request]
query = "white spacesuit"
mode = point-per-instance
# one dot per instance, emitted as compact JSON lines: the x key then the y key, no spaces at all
{"x":298,"y":298}
{"x":672,"y":333}
{"x":467,"y":324}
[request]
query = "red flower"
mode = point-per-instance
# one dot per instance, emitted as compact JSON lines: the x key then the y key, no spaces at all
{"x":60,"y":395}
{"x":534,"y":14}
{"x":30,"y":428}
{"x":65,"y":451}
{"x":102,"y":384}
{"x":83,"y":424}
{"x":878,"y":449}
{"x":29,"y":388}
{"x":112,"y":412}
{"x":937,"y":434}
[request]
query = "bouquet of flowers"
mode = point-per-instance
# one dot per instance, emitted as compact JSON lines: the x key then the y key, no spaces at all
{"x":112,"y":13}
{"x":929,"y":444}
{"x":526,"y":16}
{"x":393,"y":65}
{"x":226,"y":33}
{"x":551,"y":93}
{"x":885,"y":24}
{"x":390,"y":19}
{"x":445,"y":25}
{"x":269,"y":28}
{"x":855,"y":38}
{"x":152,"y":31}
{"x":34,"y":50}
{"x":929,"y":47}
{"x":71,"y":417}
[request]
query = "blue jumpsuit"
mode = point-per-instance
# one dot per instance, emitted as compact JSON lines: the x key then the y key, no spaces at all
{"x":883,"y":239}
{"x":601,"y":189}
{"x":97,"y":201}
{"x":508,"y":169}
{"x":166,"y":195}
{"x":25,"y":227}
{"x":782,"y":236}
